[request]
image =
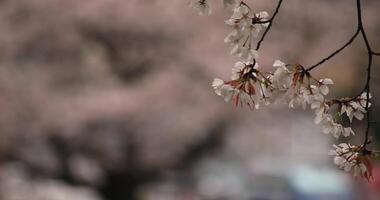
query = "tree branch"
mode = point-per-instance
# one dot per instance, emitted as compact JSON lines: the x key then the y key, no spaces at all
{"x":269,"y":26}
{"x":336,"y":52}
{"x":360,"y":30}
{"x":369,"y":67}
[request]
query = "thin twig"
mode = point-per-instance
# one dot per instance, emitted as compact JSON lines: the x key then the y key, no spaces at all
{"x":337,"y":51}
{"x":270,"y":21}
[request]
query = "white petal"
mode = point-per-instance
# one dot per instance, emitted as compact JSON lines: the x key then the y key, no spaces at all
{"x":347,"y":167}
{"x":344,"y":145}
{"x":359,"y":115}
{"x":239,"y":65}
{"x":326,"y":81}
{"x":318,"y":119}
{"x":217,"y":82}
{"x":263,"y":14}
{"x":278,"y":63}
{"x":343,"y":109}
{"x":350,"y":117}
{"x":349,"y":111}
{"x":326,"y":129}
{"x":339,"y":161}
{"x":235,"y":49}
{"x":347,"y":132}
{"x":265,"y":24}
{"x":315,"y":105}
{"x":324,"y":89}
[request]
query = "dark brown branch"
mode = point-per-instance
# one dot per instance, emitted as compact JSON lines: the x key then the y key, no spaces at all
{"x":369,"y":67}
{"x":270,"y":21}
{"x":360,"y":30}
{"x":337,"y":51}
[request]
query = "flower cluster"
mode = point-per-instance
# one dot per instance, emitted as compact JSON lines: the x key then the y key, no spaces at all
{"x":290,"y":84}
{"x":245,"y":25}
{"x":353,"y":159}
{"x":356,"y":107}
{"x":242,"y":86}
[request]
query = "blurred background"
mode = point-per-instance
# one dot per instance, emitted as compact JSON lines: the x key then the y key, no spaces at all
{"x":112,"y":100}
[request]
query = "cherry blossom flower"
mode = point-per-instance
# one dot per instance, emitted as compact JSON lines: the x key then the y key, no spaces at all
{"x":242,"y":87}
{"x":313,"y":95}
{"x":356,"y":107}
{"x":329,"y":126}
{"x":245,"y":26}
{"x":217,"y":84}
{"x":303,"y":93}
{"x":297,"y":99}
{"x":320,"y":112}
{"x":323,"y":85}
{"x":262,"y":17}
{"x":351,"y":158}
{"x":282,"y":76}
{"x":291,"y":84}
{"x":363,"y":99}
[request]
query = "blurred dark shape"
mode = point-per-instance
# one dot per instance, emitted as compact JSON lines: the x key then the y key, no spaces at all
{"x":133,"y":53}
